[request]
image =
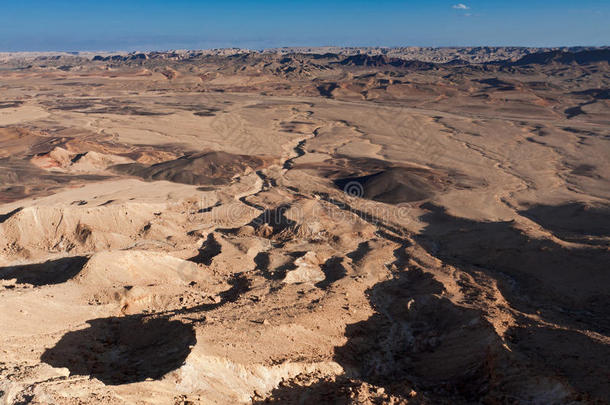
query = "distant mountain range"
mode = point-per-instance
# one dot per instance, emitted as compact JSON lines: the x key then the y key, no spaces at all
{"x":558,"y":56}
{"x":411,"y":57}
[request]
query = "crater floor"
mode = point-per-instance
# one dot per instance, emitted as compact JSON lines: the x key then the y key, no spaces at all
{"x":299,"y":228}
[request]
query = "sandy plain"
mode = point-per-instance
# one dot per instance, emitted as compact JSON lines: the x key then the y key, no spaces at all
{"x":300,"y":228}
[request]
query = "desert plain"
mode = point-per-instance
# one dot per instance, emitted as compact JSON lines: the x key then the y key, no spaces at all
{"x":303,"y":226}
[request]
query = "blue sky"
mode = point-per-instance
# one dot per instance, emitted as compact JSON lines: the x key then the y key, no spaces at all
{"x":53,"y":25}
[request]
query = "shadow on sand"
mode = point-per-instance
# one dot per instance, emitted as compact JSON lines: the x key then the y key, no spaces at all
{"x":50,"y":272}
{"x":123,"y":350}
{"x":567,"y":286}
{"x":575,"y":222}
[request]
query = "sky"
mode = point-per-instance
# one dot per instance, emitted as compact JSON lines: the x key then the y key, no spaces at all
{"x":131,"y":25}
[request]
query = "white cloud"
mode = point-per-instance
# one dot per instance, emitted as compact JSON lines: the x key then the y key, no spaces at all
{"x":461,"y":6}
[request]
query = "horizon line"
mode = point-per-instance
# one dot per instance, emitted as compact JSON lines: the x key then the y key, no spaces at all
{"x":355,"y":47}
